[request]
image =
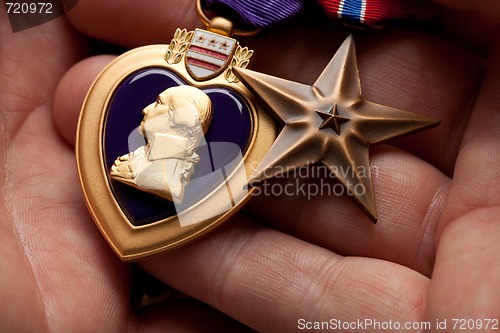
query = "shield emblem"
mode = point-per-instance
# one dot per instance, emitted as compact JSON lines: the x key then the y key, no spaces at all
{"x":208,"y":54}
{"x":129,"y":128}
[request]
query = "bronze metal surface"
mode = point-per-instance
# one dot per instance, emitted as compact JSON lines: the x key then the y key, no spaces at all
{"x":329,"y":122}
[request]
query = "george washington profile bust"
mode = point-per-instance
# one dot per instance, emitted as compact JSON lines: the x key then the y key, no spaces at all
{"x":172,"y":126}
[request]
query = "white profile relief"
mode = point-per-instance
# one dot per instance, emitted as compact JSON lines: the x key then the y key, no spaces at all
{"x":172,"y":126}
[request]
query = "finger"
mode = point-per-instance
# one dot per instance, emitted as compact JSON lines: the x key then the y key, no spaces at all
{"x":28,"y":83}
{"x":187,"y":315}
{"x":410,"y":193}
{"x":400,"y":68}
{"x":16,"y":281}
{"x":415,"y":72}
{"x":269,"y":280}
{"x":133,"y":23}
{"x":71,"y":92}
{"x":467,"y":275}
{"x":312,"y":206}
{"x":71,"y":264}
{"x":471,"y":31}
{"x":156,"y":21}
{"x":403,"y":69}
{"x":67,"y":263}
{"x":16,"y":278}
{"x":488,"y":7}
{"x":476,"y":166}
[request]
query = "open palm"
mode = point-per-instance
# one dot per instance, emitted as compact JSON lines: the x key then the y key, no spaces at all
{"x":284,"y":258}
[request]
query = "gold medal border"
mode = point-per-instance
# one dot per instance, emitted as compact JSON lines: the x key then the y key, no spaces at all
{"x":135,"y":242}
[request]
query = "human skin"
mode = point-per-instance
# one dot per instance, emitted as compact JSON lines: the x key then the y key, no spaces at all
{"x":432,"y":255}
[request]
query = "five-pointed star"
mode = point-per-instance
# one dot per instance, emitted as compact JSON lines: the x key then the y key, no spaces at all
{"x":332,"y":119}
{"x":212,"y":42}
{"x":224,"y":46}
{"x":201,"y":39}
{"x":340,"y":142}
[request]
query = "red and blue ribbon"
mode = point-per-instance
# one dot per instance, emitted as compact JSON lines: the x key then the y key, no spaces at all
{"x":371,"y":12}
{"x":265,"y":13}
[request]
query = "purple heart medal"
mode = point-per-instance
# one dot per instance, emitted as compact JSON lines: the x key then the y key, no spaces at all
{"x":169,"y":135}
{"x":166,"y":138}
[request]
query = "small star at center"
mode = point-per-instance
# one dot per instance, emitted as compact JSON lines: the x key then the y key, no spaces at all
{"x":332,"y":119}
{"x":212,"y":42}
{"x":201,"y":39}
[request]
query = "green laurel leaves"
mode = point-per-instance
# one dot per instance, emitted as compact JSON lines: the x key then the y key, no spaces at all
{"x":178,"y":46}
{"x":241,"y":59}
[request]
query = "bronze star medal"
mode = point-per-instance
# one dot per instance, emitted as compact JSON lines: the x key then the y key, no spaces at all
{"x":329,"y":122}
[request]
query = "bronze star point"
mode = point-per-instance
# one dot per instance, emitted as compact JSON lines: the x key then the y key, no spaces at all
{"x":302,"y":142}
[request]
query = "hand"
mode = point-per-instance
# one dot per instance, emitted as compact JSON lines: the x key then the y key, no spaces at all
{"x":489,"y":7}
{"x":57,"y":273}
{"x":282,"y":259}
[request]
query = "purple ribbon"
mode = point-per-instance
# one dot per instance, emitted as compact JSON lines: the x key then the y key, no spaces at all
{"x":261,"y":13}
{"x":265,"y":13}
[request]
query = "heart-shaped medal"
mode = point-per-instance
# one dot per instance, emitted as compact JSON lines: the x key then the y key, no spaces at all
{"x":167,"y":139}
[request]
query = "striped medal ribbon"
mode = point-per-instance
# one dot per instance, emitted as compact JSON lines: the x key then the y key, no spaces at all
{"x":264,"y":13}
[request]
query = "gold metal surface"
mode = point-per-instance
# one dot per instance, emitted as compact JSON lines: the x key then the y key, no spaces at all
{"x":341,"y":140}
{"x":128,"y":241}
{"x":178,"y":46}
{"x":241,"y":59}
{"x":235,"y":32}
{"x":221,"y":26}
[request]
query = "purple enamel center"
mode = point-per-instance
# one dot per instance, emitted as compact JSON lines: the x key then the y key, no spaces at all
{"x":231,"y":123}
